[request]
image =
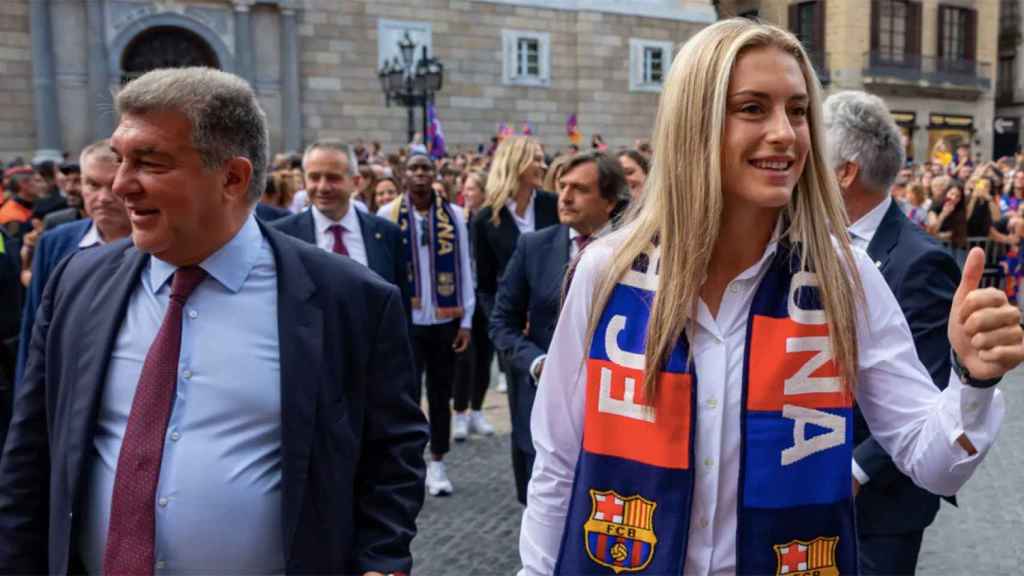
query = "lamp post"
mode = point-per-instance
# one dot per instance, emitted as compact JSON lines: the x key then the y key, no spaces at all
{"x":411,"y":84}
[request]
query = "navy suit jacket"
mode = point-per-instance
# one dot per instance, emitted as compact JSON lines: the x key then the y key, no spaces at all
{"x":52,"y":247}
{"x":269,"y":213}
{"x":385,"y":254}
{"x":493,"y":245}
{"x":352,"y":432}
{"x":923,"y":277}
{"x":530,"y":288}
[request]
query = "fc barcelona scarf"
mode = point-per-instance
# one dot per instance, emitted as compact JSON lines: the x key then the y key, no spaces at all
{"x":632,"y":495}
{"x":441,"y":235}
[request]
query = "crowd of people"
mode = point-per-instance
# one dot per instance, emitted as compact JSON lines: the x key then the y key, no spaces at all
{"x":250,"y":365}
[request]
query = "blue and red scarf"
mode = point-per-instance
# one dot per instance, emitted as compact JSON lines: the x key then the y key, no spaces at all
{"x":441,"y":234}
{"x":632,"y":495}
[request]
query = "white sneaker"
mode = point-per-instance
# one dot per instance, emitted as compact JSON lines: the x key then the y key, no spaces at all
{"x":478,"y":424}
{"x":502,"y":384}
{"x":460,"y":426}
{"x":437,"y":479}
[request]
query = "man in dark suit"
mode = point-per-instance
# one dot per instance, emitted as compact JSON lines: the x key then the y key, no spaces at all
{"x":10,"y":299}
{"x":529,"y":296}
{"x":368,"y":239}
{"x":867,"y":154}
{"x":107,"y":221}
{"x":71,"y":185}
{"x":213,"y":396}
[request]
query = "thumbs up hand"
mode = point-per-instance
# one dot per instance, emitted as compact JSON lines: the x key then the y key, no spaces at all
{"x":984,"y":328}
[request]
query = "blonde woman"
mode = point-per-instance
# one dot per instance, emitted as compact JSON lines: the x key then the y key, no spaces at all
{"x":515,"y":205}
{"x":695,"y":410}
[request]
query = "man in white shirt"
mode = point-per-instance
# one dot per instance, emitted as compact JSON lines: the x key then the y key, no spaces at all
{"x":435,"y":236}
{"x":334,"y":223}
{"x":866,"y":153}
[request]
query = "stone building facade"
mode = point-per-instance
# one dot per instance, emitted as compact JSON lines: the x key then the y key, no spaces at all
{"x":933,"y":61}
{"x":314,"y":63}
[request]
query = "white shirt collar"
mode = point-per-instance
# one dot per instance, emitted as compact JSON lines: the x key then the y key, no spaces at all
{"x":350,"y":221}
{"x":863,"y":230}
{"x":91,"y":238}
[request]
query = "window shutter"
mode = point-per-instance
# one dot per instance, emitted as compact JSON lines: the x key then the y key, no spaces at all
{"x":876,"y":21}
{"x":940,"y":49}
{"x":914,"y":28}
{"x":971,"y":35}
{"x":819,"y":30}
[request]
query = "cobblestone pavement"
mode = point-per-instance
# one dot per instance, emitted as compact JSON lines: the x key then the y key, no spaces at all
{"x":985,"y":535}
{"x":476,"y":530}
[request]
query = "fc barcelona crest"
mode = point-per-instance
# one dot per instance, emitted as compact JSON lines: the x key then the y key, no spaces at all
{"x":620,"y":531}
{"x":814,"y":558}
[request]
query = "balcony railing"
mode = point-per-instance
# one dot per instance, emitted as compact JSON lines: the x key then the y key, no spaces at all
{"x":927,"y":70}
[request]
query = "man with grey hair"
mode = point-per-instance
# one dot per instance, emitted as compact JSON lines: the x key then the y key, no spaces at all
{"x":865,"y":150}
{"x":209,"y":397}
{"x":106,"y":221}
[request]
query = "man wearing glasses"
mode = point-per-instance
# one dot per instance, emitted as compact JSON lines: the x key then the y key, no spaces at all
{"x":437,"y":248}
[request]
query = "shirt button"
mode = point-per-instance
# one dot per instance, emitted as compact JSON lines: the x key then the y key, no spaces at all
{"x":708,"y":462}
{"x":162,"y":502}
{"x":175,"y":436}
{"x":734,"y":288}
{"x":711,"y":403}
{"x":187,"y":374}
{"x":703,"y":522}
{"x":193,"y":314}
{"x":161,"y":564}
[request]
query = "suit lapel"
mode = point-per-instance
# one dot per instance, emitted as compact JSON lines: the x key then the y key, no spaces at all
{"x":307,"y":228}
{"x":371,"y":241}
{"x":558,"y":259}
{"x":507,"y":231}
{"x":300,"y":334}
{"x":119,"y":278}
{"x":886,"y":237}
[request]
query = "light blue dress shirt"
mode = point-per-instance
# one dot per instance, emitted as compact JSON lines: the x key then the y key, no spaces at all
{"x":218,"y":502}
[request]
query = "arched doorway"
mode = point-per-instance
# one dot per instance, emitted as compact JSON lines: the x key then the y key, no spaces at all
{"x":165,"y":47}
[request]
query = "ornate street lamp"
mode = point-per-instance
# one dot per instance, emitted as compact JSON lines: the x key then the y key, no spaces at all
{"x":411,"y":84}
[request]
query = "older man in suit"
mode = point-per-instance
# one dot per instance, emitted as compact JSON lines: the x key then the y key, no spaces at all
{"x":334,"y":224}
{"x":107,"y":221}
{"x":212,"y":396}
{"x":529,"y":295}
{"x":866,"y":152}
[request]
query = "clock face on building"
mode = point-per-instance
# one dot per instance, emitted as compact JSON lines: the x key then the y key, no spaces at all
{"x":165,"y":47}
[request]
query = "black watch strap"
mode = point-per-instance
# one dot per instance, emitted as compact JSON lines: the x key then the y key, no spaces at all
{"x":966,"y":378}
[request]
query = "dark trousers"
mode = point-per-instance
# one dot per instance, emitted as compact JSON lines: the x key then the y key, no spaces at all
{"x":522,"y":469}
{"x":432,"y":346}
{"x":889,"y":554}
{"x":473,"y":367}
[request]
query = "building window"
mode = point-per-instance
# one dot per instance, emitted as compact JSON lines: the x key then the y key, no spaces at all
{"x":954,"y":33}
{"x":807,"y":22}
{"x":391,"y":32}
{"x":649,"y":61}
{"x":1004,"y":79}
{"x":892,"y":30}
{"x":527,"y":58}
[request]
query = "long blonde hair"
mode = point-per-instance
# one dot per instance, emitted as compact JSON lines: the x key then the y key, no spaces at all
{"x":683,"y":204}
{"x":511,"y":159}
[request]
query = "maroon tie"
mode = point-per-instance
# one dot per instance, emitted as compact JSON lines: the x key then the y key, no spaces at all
{"x":132,"y":530}
{"x":582,"y":241}
{"x":339,"y":245}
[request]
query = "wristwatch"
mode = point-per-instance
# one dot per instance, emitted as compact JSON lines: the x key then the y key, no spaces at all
{"x":966,"y":378}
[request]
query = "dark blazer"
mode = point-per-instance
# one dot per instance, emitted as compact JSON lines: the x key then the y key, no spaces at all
{"x":530,"y":288}
{"x":352,"y":431}
{"x":493,"y":245}
{"x":10,"y":299}
{"x":382,"y":239}
{"x":55,"y":219}
{"x":923,"y":277}
{"x":269,"y":213}
{"x":52,"y":247}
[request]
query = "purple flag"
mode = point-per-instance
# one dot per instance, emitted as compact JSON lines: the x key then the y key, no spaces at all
{"x":435,"y":134}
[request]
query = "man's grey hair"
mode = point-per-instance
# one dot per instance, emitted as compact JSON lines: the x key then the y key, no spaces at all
{"x":98,"y":149}
{"x":226,"y":119}
{"x":860,"y":129}
{"x":333,"y":146}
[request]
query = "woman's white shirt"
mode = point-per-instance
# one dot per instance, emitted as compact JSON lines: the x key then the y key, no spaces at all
{"x":912,"y":420}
